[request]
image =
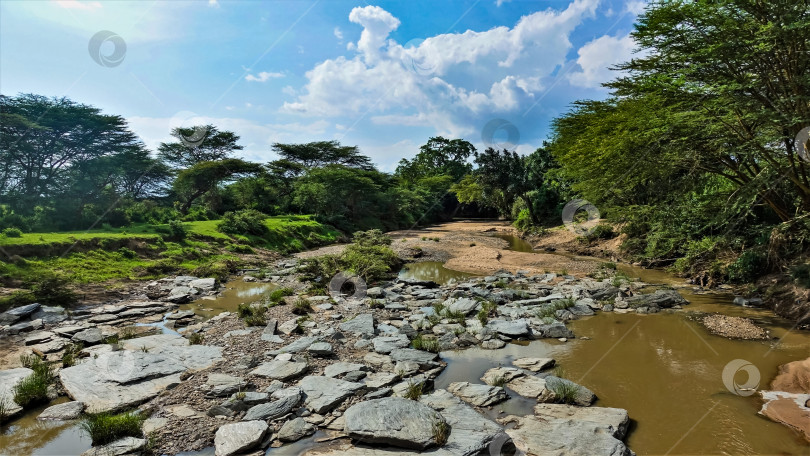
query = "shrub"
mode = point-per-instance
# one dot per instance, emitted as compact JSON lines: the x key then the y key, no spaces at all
{"x":240,"y":248}
{"x":371,"y":238}
{"x":427,"y":344}
{"x":441,"y":432}
{"x":747,"y":267}
{"x":196,"y":338}
{"x":278,"y":294}
{"x":301,"y":307}
{"x":565,"y":392}
{"x":177,"y":230}
{"x":53,"y":290}
{"x":499,"y":381}
{"x":246,"y":221}
{"x":601,"y":231}
{"x":414,"y":390}
{"x":12,"y":232}
{"x":71,"y":354}
{"x":106,"y":427}
{"x":252,"y":315}
{"x":34,"y":388}
{"x":127,"y":253}
{"x":801,"y":274}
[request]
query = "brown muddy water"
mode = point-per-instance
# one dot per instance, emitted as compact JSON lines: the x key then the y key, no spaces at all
{"x":665,"y":369}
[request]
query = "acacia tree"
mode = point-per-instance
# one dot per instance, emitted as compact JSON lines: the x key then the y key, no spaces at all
{"x":204,"y":177}
{"x":202,"y":143}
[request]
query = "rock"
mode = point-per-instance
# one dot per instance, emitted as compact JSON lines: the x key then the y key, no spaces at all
{"x":462,"y":305}
{"x":16,"y":314}
{"x":239,"y":437}
{"x":393,"y":421}
{"x":322,"y":394}
{"x":471,"y":433}
{"x":152,"y":424}
{"x":614,"y":418}
{"x":513,"y":328}
{"x":38,"y":337}
{"x":288,"y":327}
{"x":273,"y":410}
{"x":581,"y":310}
{"x":584,"y":396}
{"x":296,"y":346}
{"x":375,"y":292}
{"x":8,"y":380}
{"x":321,"y":349}
{"x":555,"y":330}
{"x":493,"y":344}
{"x":68,"y":331}
{"x":295,"y":430}
{"x":534,"y":364}
{"x":342,"y":368}
{"x":501,"y":375}
{"x":423,"y":358}
{"x":478,"y":395}
{"x":50,"y":315}
{"x":181,"y":314}
{"x":790,"y":409}
{"x":362,"y":325}
{"x":126,"y":445}
{"x":62,"y":412}
{"x":90,"y":336}
{"x":381,"y":379}
{"x":237,"y":333}
{"x":207,"y":284}
{"x":386,"y":344}
{"x":223,"y":385}
{"x":280,"y":369}
{"x":251,"y":397}
{"x":182,"y":411}
{"x":537,"y":436}
{"x":532,"y":387}
{"x":378,"y":361}
{"x":660,"y":298}
{"x":180,"y":295}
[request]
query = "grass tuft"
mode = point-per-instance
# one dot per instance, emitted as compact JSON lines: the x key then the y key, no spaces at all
{"x":301,"y":307}
{"x":196,"y":338}
{"x":441,"y":432}
{"x":565,"y":392}
{"x":499,"y":381}
{"x":106,"y":427}
{"x":414,"y":390}
{"x":427,"y":344}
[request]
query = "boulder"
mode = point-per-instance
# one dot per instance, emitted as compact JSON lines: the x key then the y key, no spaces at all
{"x":296,"y":346}
{"x":239,"y":437}
{"x":126,"y":445}
{"x":362,"y":325}
{"x":90,"y":336}
{"x":62,"y":412}
{"x":501,"y":375}
{"x":423,"y":358}
{"x":534,"y":364}
{"x":280,"y":369}
{"x":513,"y":328}
{"x":322,"y":394}
{"x":220,"y":385}
{"x":462,"y":305}
{"x":478,"y":395}
{"x":614,"y":418}
{"x":393,"y":421}
{"x":8,"y":380}
{"x":16,"y":314}
{"x":207,"y":284}
{"x":321,"y":349}
{"x":387,"y":344}
{"x":471,"y":433}
{"x":295,"y":430}
{"x":540,"y":437}
{"x":342,"y":368}
{"x":273,"y":410}
{"x":660,"y":298}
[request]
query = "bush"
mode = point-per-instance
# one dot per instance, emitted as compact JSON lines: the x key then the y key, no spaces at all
{"x":602,"y":231}
{"x":12,"y":232}
{"x":565,"y":392}
{"x":33,"y":389}
{"x":424,"y":343}
{"x":52,"y":290}
{"x":301,"y":307}
{"x":246,"y":221}
{"x":106,"y":427}
{"x":370,"y":238}
{"x":127,"y":253}
{"x":196,"y":338}
{"x":278,"y":294}
{"x":747,"y":267}
{"x":251,"y":315}
{"x":177,"y":230}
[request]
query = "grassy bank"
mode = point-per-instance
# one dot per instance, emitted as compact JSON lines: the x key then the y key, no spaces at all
{"x":143,"y":252}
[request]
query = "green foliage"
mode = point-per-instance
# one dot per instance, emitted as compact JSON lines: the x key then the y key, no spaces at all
{"x":499,"y":381}
{"x":196,"y":338}
{"x":177,"y":230}
{"x":565,"y":392}
{"x":369,"y":260}
{"x":601,"y":231}
{"x":428,"y":344}
{"x":441,"y":432}
{"x":12,"y":232}
{"x":278,"y":294}
{"x":371,"y":238}
{"x":301,"y":307}
{"x":801,"y":274}
{"x":247,"y":221}
{"x":71,"y":354}
{"x":33,"y":389}
{"x":414,"y":390}
{"x":747,"y":267}
{"x":106,"y":427}
{"x":252,"y":314}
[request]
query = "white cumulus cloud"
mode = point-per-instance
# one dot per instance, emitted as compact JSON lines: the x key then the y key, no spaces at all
{"x":597,"y":56}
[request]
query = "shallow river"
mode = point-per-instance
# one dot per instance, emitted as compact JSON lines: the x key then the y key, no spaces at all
{"x":665,"y":369}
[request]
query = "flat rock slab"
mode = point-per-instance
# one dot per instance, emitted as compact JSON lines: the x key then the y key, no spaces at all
{"x":539,"y":437}
{"x":478,"y":395}
{"x":126,"y":445}
{"x":322,"y":394}
{"x":361,"y":325}
{"x":296,"y":346}
{"x":789,"y":409}
{"x":470,"y":432}
{"x":8,"y":380}
{"x":423,"y":358}
{"x":534,"y":364}
{"x":532,"y":387}
{"x":513,"y":328}
{"x":501,"y":375}
{"x":239,"y":437}
{"x":62,"y":412}
{"x":393,"y":421}
{"x":614,"y":418}
{"x":279,"y":369}
{"x":386,"y":344}
{"x":273,"y":410}
{"x":342,"y":368}
{"x":295,"y":430}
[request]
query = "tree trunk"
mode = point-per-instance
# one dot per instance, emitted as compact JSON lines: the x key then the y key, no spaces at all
{"x":530,"y":206}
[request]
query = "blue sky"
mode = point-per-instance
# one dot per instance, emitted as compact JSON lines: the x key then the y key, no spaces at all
{"x":383,"y":75}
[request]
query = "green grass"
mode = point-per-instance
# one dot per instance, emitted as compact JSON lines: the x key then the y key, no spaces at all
{"x":456,"y":317}
{"x":251,"y":315}
{"x":196,"y":338}
{"x":441,"y":432}
{"x":550,"y":310}
{"x":33,"y":389}
{"x":427,"y":344}
{"x":414,"y":390}
{"x":499,"y":381}
{"x":277,"y":295}
{"x":301,"y":307}
{"x":104,"y":428}
{"x":4,"y":408}
{"x":565,"y":392}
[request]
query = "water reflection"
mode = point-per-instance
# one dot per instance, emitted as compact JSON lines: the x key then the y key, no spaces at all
{"x":26,"y":435}
{"x":431,"y":270}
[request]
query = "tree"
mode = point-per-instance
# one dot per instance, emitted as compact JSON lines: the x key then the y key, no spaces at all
{"x":202,"y":143}
{"x":439,"y":156}
{"x":321,"y":153}
{"x":202,"y":178}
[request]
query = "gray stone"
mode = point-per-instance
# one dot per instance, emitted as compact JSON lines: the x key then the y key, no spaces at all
{"x":493,"y":344}
{"x":324,"y":394}
{"x":471,"y":433}
{"x":660,"y":298}
{"x":288,"y":327}
{"x":381,"y":379}
{"x":220,"y":385}
{"x":534,"y":364}
{"x":555,"y":330}
{"x":362,"y":325}
{"x":88,"y":336}
{"x":462,"y":305}
{"x":296,"y":346}
{"x":273,"y":410}
{"x":423,"y":358}
{"x":251,"y":397}
{"x":386,"y":344}
{"x":62,"y":412}
{"x":321,"y":349}
{"x":280,"y":369}
{"x":478,"y":395}
{"x":207,"y":284}
{"x":50,"y":315}
{"x":50,"y":347}
{"x":16,"y":314}
{"x":501,"y":374}
{"x":295,"y":430}
{"x":126,"y":445}
{"x":38,"y":337}
{"x":584,"y":396}
{"x":532,"y":387}
{"x":239,"y":437}
{"x":393,"y":421}
{"x":615,"y":418}
{"x":514,"y":328}
{"x":342,"y":368}
{"x":536,"y":436}
{"x":8,"y":380}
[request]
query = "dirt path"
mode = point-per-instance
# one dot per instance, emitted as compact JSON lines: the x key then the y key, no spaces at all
{"x":472,"y":246}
